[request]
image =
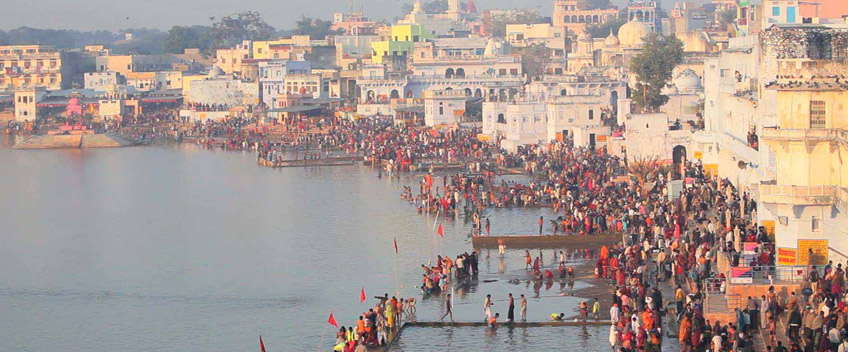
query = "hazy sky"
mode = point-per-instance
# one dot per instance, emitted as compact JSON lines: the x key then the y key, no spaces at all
{"x":119,"y":14}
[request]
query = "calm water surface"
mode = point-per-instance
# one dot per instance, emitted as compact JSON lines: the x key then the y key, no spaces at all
{"x":178,"y":248}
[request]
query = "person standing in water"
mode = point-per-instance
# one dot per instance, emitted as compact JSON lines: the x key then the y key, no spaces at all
{"x":541,"y":222}
{"x":596,"y":309}
{"x":510,"y":315}
{"x":523,"y":308}
{"x":487,"y":304}
{"x":487,"y":227}
{"x":448,"y":308}
{"x":501,"y":247}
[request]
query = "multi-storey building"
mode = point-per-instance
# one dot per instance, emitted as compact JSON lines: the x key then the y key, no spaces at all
{"x":38,"y":66}
{"x":809,"y":195}
{"x":568,"y":14}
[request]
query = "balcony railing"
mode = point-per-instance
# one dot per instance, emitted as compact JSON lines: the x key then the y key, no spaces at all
{"x":801,"y":195}
{"x":805,"y":135}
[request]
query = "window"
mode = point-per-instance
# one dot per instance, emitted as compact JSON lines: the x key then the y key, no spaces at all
{"x":502,"y":72}
{"x":817,"y":119}
{"x":775,"y":11}
{"x":513,"y":71}
{"x":441,"y":110}
{"x":591,"y":114}
{"x":815,"y":224}
{"x":501,"y":118}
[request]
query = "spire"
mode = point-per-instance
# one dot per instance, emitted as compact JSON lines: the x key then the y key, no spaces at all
{"x":470,"y":7}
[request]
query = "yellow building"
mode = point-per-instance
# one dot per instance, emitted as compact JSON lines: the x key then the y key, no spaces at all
{"x":262,"y":48}
{"x":31,"y":66}
{"x":810,"y":143}
{"x":401,"y":41}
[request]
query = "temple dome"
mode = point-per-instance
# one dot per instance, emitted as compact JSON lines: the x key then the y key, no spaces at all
{"x":611,"y":40}
{"x":633,"y":33}
{"x":687,"y":80}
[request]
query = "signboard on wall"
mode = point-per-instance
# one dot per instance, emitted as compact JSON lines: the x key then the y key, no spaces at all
{"x":819,"y":248}
{"x":787,"y":256}
{"x":742,"y":275}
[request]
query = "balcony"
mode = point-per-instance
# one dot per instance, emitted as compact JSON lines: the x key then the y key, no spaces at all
{"x":813,"y":135}
{"x":801,"y":195}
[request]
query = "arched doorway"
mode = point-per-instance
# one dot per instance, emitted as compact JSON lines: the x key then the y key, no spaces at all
{"x":460,"y":72}
{"x":449,"y":73}
{"x":678,"y":157}
{"x":563,"y":93}
{"x":501,"y":118}
{"x":478,"y":93}
{"x":394,"y":94}
{"x":468,"y":92}
{"x":370,"y":95}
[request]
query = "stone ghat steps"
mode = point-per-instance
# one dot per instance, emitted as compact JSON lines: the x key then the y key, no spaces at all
{"x":105,"y":140}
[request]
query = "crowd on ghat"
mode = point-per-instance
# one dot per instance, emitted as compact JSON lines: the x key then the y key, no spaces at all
{"x":672,"y":244}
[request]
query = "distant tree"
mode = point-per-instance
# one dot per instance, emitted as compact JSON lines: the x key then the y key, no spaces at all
{"x":727,"y":17}
{"x":315,"y":28}
{"x":602,"y":30}
{"x":535,"y":59}
{"x":60,"y":38}
{"x":433,"y":7}
{"x":145,"y":42}
{"x":497,"y":23}
{"x":231,"y":30}
{"x":181,"y":38}
{"x":653,"y":68}
{"x":593,"y":4}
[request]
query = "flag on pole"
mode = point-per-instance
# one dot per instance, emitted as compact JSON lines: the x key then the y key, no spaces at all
{"x":261,"y":344}
{"x":362,"y":295}
{"x":396,"y":249}
{"x":440,"y":231}
{"x":332,"y":320}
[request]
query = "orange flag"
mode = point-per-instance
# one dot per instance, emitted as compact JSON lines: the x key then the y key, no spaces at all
{"x":261,"y":344}
{"x":332,"y":320}
{"x":441,"y":232}
{"x":362,"y":295}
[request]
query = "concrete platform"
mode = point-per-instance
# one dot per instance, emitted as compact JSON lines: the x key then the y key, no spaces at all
{"x":73,"y":141}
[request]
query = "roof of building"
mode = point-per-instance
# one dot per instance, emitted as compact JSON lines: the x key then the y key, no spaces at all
{"x":633,"y":33}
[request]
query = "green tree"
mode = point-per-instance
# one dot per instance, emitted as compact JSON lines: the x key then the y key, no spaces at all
{"x":497,"y":23}
{"x":602,"y":30}
{"x":181,"y":38}
{"x":315,"y":28}
{"x":653,"y":68}
{"x":727,"y":17}
{"x":535,"y":59}
{"x":231,"y":30}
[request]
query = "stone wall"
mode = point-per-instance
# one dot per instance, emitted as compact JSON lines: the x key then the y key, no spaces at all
{"x":816,"y":43}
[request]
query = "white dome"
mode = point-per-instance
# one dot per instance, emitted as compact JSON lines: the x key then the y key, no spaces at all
{"x":687,"y":80}
{"x":633,"y":33}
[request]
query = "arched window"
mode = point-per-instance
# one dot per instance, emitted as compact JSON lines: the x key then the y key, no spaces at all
{"x":582,"y":19}
{"x":562,"y":92}
{"x":460,"y":73}
{"x":567,"y":19}
{"x":394,"y":94}
{"x":449,"y":73}
{"x":501,"y":118}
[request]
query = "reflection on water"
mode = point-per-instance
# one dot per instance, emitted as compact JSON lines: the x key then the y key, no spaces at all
{"x":181,"y":248}
{"x":546,"y":338}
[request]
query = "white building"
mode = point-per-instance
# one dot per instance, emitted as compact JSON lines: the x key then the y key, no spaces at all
{"x":102,"y":80}
{"x":442,"y":107}
{"x":272,"y":76}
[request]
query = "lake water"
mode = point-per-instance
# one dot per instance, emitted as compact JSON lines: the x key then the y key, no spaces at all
{"x":179,"y":248}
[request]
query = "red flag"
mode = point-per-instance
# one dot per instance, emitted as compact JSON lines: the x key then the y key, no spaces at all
{"x":440,"y":231}
{"x":362,"y":295}
{"x":261,"y":344}
{"x":332,"y":320}
{"x":396,"y":249}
